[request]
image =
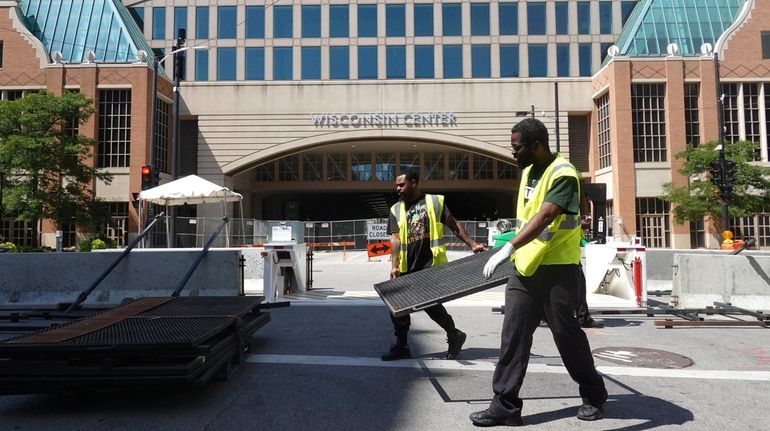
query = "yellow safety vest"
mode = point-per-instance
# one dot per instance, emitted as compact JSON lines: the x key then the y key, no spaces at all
{"x":435,"y":206}
{"x":559,"y":243}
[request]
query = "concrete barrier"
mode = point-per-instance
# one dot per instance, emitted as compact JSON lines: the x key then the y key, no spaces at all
{"x":702,"y":279}
{"x":54,"y":278}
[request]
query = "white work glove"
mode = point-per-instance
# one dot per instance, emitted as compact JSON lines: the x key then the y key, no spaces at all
{"x":501,"y":256}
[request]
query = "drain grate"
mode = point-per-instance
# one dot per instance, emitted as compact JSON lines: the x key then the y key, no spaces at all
{"x":422,"y":289}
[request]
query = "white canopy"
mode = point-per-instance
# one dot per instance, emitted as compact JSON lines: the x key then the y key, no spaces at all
{"x":192,"y":190}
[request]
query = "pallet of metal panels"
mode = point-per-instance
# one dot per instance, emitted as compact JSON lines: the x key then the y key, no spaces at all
{"x":150,"y":341}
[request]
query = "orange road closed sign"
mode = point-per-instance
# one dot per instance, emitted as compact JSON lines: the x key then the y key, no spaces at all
{"x":378,"y":248}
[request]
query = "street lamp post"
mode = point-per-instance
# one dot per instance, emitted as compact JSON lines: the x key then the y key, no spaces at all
{"x":723,"y":187}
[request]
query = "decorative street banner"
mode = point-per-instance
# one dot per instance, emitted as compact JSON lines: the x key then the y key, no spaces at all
{"x":375,"y":120}
{"x":377,"y":231}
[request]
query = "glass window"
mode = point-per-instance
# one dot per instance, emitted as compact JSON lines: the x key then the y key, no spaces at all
{"x":225,"y":64}
{"x":423,"y":19}
{"x":509,"y":18}
{"x":453,"y":61}
{"x":311,"y":21}
{"x":282,"y":63}
{"x":626,"y":7}
{"x":201,"y":65}
{"x":482,"y":167}
{"x":288,"y":168}
{"x":282,"y":21}
{"x":538,"y":60}
{"x":255,"y":22}
{"x":137,"y":13}
{"x":361,"y":167}
{"x":385,"y":167}
{"x":180,"y":19}
{"x":648,"y":122}
{"x":339,"y":20}
{"x":562,"y":17}
{"x":395,"y":61}
{"x":562,"y":59}
{"x":367,"y":20}
{"x":535,"y":18}
{"x":408,"y":161}
{"x":339,"y":62}
{"x":480,"y":61}
{"x":226,"y":22}
{"x":605,"y":17}
{"x":603,"y":130}
{"x":603,"y":50}
{"x":434,"y":166}
{"x":395,"y":20}
{"x":452,"y":24}
{"x":584,"y":17}
{"x":584,"y":54}
{"x":337,"y":166}
{"x":423,"y":61}
{"x":311,"y":62}
{"x":255,"y":63}
{"x":312,"y":167}
{"x":367,"y":62}
{"x":201,"y":22}
{"x":114,"y":116}
{"x":479,"y":19}
{"x":159,"y":23}
{"x":458,"y":165}
{"x":509,"y":60}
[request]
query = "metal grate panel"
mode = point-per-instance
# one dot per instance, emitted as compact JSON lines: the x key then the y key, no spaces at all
{"x":419,"y":290}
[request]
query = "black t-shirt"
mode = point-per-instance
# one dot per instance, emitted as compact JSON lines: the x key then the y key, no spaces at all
{"x":563,"y":192}
{"x":418,"y":254}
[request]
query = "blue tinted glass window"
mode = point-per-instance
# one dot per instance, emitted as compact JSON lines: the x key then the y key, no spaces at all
{"x":339,"y":62}
{"x":584,"y":17}
{"x":137,"y":13}
{"x":536,"y":18}
{"x":481,"y":61}
{"x":367,"y":20}
{"x":538,"y":60}
{"x":225,"y":64}
{"x":282,"y":63}
{"x":158,"y":23}
{"x":367,"y":62}
{"x":395,"y":21}
{"x":423,"y":19}
{"x":423,"y":61}
{"x":180,"y":19}
{"x":562,"y":59}
{"x":452,"y":24}
{"x":626,"y":7}
{"x":311,"y":62}
{"x":509,"y":60}
{"x":339,"y":21}
{"x":201,"y":65}
{"x":395,"y":61}
{"x":509,"y":18}
{"x":226,"y":22}
{"x":584,"y":53}
{"x":605,"y":17}
{"x":562,"y":17}
{"x":311,"y":21}
{"x":255,"y":63}
{"x":453,"y":61}
{"x":201,"y":22}
{"x":282,"y":21}
{"x":604,"y":47}
{"x":479,"y":19}
{"x":255,"y":22}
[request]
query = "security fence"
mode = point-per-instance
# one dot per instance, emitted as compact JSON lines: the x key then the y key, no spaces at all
{"x":321,"y":235}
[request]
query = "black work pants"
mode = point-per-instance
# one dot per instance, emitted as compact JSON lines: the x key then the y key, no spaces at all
{"x":437,"y":313}
{"x":548,"y":294}
{"x":581,"y":309}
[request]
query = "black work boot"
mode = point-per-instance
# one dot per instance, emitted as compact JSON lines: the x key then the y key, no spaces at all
{"x":396,"y":352}
{"x":591,"y":411}
{"x":487,"y":418}
{"x":456,"y":342}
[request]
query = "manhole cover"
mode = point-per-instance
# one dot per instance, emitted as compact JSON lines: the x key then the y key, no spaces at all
{"x":641,"y":357}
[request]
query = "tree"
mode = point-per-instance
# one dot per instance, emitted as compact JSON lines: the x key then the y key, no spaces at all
{"x":46,"y":161}
{"x":750,"y":192}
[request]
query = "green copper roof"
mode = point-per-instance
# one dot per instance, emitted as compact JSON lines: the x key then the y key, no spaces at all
{"x":689,"y":23}
{"x":74,"y":27}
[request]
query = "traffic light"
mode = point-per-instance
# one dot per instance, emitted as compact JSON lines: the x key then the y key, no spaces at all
{"x":730,"y":170}
{"x":146,"y":177}
{"x":715,"y":173}
{"x":154,"y":177}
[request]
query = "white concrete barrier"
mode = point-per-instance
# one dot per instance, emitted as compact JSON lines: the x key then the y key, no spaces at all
{"x":55,"y":278}
{"x":702,"y":279}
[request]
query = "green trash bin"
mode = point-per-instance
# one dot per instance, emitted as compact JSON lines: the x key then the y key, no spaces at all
{"x":501,"y":238}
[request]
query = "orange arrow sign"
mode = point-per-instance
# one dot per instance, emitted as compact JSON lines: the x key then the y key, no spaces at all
{"x":378,"y":248}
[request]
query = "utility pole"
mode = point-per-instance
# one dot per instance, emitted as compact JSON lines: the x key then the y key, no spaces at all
{"x":724,"y":188}
{"x":179,"y":66}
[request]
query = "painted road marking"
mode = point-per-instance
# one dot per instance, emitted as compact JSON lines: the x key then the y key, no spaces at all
{"x":462,"y":365}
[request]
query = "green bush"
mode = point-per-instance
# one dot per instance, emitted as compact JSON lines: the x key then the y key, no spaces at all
{"x":98,"y":244}
{"x":8,"y":247}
